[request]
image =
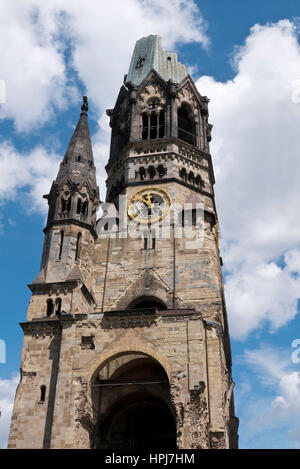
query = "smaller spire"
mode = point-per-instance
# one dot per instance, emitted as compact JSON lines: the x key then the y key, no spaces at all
{"x":85,"y":106}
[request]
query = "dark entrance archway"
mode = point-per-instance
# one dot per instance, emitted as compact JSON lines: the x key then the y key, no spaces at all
{"x":135,"y":411}
{"x":147,"y":302}
{"x":146,"y":423}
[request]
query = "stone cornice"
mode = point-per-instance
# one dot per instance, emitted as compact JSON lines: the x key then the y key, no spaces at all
{"x":70,"y":221}
{"x":53,"y":285}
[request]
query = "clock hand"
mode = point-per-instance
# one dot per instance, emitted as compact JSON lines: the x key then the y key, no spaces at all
{"x":142,"y":199}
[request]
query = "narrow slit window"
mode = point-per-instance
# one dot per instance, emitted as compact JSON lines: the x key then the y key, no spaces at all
{"x":49,"y":307}
{"x":78,"y":247}
{"x":146,"y":240}
{"x":79,"y":206}
{"x":153,"y":125}
{"x":161,"y":124}
{"x":42,"y":393}
{"x":153,"y":236}
{"x":161,"y":171}
{"x":63,"y":205}
{"x":61,"y":244}
{"x":57,"y":306}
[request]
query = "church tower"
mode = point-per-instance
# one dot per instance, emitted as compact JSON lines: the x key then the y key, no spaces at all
{"x":126,"y":343}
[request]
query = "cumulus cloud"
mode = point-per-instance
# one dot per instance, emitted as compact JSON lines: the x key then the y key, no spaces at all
{"x":32,"y":172}
{"x":279,"y":407}
{"x":32,"y":64}
{"x":37,"y":63}
{"x":7,"y":394}
{"x":256,"y":160}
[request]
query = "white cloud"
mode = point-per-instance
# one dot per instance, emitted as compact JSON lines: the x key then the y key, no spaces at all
{"x":289,"y":397}
{"x":279,"y":409}
{"x":256,"y":159}
{"x":7,"y":395}
{"x":33,"y":172}
{"x":33,"y":43}
{"x":32,"y":64}
{"x":260,"y":293}
{"x":268,"y":362}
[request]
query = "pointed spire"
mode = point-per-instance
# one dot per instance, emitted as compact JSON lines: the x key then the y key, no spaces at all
{"x":77,"y":173}
{"x":78,"y":162}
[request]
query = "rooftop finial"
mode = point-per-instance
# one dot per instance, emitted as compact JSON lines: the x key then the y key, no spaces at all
{"x":85,"y":105}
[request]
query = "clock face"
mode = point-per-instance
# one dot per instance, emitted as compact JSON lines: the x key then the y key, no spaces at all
{"x":149,"y":205}
{"x":140,"y":62}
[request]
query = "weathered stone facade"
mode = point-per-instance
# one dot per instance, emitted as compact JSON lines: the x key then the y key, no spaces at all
{"x":126,"y":342}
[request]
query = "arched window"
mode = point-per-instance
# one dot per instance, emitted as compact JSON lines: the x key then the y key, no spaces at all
{"x":42,"y":393}
{"x":142,"y":173}
{"x":186,"y":125}
{"x":183,"y":174}
{"x":161,"y":171}
{"x":65,"y":205}
{"x":82,"y":208}
{"x":57,"y":306}
{"x":151,"y":172}
{"x":153,"y":122}
{"x":191,"y":177}
{"x":49,"y":307}
{"x":78,"y":247}
{"x":85,"y":208}
{"x":79,"y":205}
{"x":199,"y":181}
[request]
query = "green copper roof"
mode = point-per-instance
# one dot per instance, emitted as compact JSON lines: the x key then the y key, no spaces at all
{"x":148,"y":54}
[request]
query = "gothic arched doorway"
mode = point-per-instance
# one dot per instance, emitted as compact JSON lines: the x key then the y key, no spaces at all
{"x":134,"y":405}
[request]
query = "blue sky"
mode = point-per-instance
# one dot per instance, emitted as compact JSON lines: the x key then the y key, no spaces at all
{"x":245,"y":56}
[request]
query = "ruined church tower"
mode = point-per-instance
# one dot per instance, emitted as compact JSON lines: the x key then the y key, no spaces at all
{"x":126,"y":343}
